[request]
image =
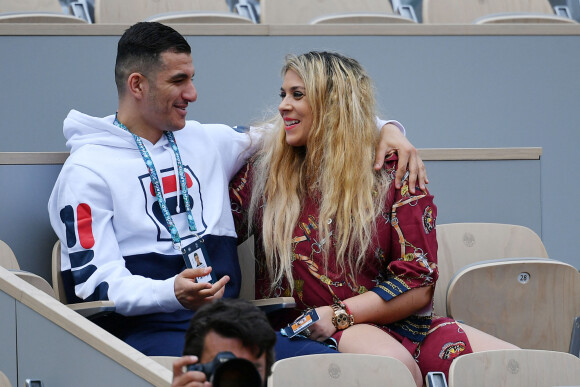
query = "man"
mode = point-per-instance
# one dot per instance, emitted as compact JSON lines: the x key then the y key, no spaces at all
{"x":226,"y":325}
{"x":144,"y":189}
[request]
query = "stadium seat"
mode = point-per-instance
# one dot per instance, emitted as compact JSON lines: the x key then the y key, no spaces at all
{"x":515,"y":368}
{"x":361,"y":18}
{"x":35,"y":11}
{"x":534,"y":18}
{"x":30,"y":6}
{"x":7,"y":258}
{"x":4,"y":382}
{"x":462,"y":244}
{"x":8,"y":261}
{"x":340,"y":370}
{"x":305,"y":11}
{"x":88,"y":309}
{"x":133,"y":11}
{"x":40,"y":17}
{"x":199,"y":17}
{"x":532,"y":303}
{"x":472,"y":11}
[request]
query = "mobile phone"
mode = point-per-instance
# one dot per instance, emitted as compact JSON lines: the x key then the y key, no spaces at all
{"x":33,"y":383}
{"x":435,"y":379}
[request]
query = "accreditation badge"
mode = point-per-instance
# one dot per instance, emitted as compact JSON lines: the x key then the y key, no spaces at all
{"x":197,"y":257}
{"x":301,"y":323}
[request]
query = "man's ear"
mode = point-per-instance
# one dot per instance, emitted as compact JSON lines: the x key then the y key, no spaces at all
{"x":137,"y":85}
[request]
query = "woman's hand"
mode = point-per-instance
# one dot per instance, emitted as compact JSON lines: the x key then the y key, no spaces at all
{"x":323,"y":328}
{"x":392,"y":140}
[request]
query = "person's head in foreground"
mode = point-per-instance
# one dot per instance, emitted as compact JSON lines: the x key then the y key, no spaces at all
{"x":235,"y":326}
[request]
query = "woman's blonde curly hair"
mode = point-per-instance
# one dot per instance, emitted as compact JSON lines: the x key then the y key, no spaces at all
{"x":336,"y":167}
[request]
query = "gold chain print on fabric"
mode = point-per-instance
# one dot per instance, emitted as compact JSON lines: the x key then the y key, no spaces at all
{"x":417,"y":254}
{"x":309,"y":231}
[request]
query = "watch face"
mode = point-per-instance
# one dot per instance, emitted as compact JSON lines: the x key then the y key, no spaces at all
{"x":342,"y":320}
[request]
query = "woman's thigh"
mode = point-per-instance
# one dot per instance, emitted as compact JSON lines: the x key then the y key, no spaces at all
{"x":365,"y":338}
{"x":481,"y":341}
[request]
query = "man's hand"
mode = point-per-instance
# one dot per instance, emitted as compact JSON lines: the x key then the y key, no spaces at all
{"x":392,"y":140}
{"x":192,"y":294}
{"x":189,"y":378}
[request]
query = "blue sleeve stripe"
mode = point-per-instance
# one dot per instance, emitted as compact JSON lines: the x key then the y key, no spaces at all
{"x":390,"y":289}
{"x":413,"y":327}
{"x":81,"y":258}
{"x":100,"y":293}
{"x":82,"y":275}
{"x":67,"y":217}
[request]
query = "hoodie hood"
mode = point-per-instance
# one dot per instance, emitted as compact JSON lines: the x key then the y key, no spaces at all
{"x":80,"y":129}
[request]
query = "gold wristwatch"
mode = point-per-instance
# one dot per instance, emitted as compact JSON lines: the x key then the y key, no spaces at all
{"x":341,"y":319}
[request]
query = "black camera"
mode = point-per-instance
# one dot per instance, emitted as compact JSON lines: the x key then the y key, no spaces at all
{"x":227,"y":370}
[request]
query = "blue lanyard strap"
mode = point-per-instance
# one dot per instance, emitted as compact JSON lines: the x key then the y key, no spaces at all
{"x":157,"y":185}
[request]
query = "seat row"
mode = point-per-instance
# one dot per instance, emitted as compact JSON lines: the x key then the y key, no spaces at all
{"x":513,"y":368}
{"x":500,"y":368}
{"x":281,"y":12}
{"x":495,"y":277}
{"x":498,"y":278}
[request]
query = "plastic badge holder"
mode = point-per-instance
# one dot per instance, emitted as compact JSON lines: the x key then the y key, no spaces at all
{"x":301,"y":323}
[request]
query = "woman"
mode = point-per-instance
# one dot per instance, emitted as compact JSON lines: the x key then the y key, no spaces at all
{"x":340,"y":237}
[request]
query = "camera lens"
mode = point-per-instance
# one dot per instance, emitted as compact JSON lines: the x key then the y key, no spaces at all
{"x":236,"y":373}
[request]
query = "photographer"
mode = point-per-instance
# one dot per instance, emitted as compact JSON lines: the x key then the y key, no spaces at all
{"x":231,"y":325}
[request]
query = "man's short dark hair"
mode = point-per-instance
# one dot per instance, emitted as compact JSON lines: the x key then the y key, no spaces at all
{"x":232,"y":318}
{"x":140,"y":49}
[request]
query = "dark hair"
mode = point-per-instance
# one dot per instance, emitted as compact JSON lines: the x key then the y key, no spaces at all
{"x":232,"y":318}
{"x":140,"y":49}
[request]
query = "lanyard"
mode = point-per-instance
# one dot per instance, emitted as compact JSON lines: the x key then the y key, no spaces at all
{"x":157,"y":185}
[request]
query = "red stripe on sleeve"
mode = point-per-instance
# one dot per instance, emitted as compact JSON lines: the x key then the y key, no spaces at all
{"x":85,"y":226}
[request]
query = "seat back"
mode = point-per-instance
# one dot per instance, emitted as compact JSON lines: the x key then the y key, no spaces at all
{"x":531,"y":303}
{"x":132,"y":11}
{"x":30,"y":6}
{"x":4,"y":382}
{"x":8,"y":261}
{"x":467,"y":11}
{"x":57,"y":284}
{"x":7,"y":257}
{"x":361,"y":18}
{"x":515,"y":368}
{"x":248,"y":269}
{"x":200,"y":17}
{"x":337,"y":370}
{"x":528,"y":18}
{"x":303,"y":11}
{"x":40,"y":17}
{"x":462,"y":244}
